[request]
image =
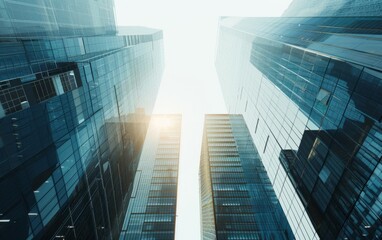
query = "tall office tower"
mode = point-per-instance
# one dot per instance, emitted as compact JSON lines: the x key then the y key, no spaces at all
{"x":237,"y":198}
{"x":151,"y":212}
{"x":309,"y":90}
{"x":72,"y":96}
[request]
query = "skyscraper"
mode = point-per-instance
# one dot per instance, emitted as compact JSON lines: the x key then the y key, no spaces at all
{"x":151,"y":212}
{"x":237,"y":198}
{"x":309,"y":91}
{"x":74,"y":92}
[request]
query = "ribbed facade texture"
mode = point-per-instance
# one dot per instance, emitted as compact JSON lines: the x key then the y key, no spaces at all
{"x":344,"y":8}
{"x":309,"y":90}
{"x":73,"y":99}
{"x":151,"y":212}
{"x":22,"y":18}
{"x":237,"y":198}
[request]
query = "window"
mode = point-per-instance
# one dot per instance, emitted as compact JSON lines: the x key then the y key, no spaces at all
{"x":324,"y":174}
{"x":12,"y":99}
{"x":322,"y":100}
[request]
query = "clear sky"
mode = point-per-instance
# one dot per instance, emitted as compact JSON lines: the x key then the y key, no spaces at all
{"x":189,"y":85}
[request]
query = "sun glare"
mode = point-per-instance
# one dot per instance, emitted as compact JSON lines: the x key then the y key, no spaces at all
{"x":189,"y":85}
{"x":162,"y":122}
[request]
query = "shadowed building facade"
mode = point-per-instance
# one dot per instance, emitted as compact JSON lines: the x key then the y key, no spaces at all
{"x":74,"y":94}
{"x":309,"y":90}
{"x":151,"y":212}
{"x":237,"y":198}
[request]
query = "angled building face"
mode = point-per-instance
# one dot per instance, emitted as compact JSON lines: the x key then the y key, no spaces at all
{"x":309,"y":90}
{"x":72,"y":119}
{"x":237,"y":198}
{"x":151,"y":211}
{"x":53,"y":18}
{"x":359,"y":8}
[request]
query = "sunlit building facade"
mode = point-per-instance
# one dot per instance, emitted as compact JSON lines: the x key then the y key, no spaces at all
{"x":74,"y":100}
{"x":151,"y":211}
{"x":309,"y":90}
{"x":237,"y":197}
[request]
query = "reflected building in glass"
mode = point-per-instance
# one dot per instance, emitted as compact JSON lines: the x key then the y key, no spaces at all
{"x":74,"y":94}
{"x":151,"y":211}
{"x":237,"y":197}
{"x":309,"y":90}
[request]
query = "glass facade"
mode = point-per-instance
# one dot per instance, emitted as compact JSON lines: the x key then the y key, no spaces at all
{"x":360,"y":8}
{"x":36,"y":18}
{"x":309,"y":90}
{"x":237,"y":197}
{"x":72,"y":117}
{"x":151,"y":212}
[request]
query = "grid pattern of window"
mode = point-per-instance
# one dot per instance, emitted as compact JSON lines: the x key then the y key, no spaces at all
{"x":11,"y":99}
{"x":51,"y":18}
{"x":308,"y":90}
{"x":21,"y":96}
{"x":70,"y":132}
{"x":301,"y":8}
{"x":237,"y":198}
{"x":152,"y":209}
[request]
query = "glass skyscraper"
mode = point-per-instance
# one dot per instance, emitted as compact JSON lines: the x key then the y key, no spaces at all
{"x":151,"y":212}
{"x":237,"y":197}
{"x":74,"y":94}
{"x":309,"y":89}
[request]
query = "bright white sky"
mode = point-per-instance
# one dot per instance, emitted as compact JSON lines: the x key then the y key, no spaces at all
{"x":189,"y":85}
